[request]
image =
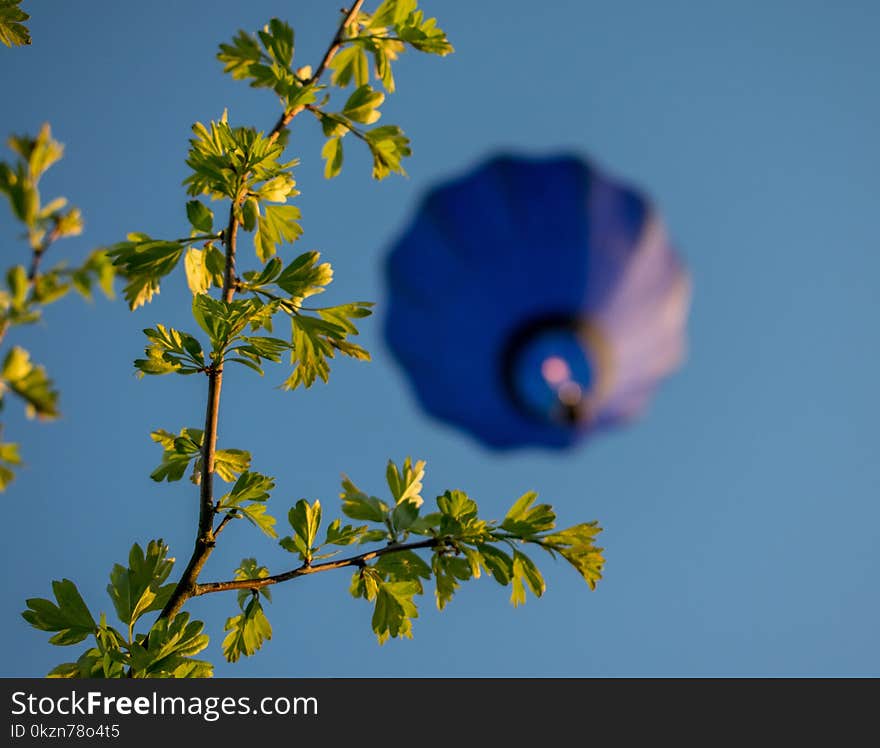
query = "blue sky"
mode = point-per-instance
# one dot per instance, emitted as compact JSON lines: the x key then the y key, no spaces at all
{"x":740,"y":514}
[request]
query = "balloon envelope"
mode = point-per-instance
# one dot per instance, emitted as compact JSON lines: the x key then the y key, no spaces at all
{"x":532,"y":301}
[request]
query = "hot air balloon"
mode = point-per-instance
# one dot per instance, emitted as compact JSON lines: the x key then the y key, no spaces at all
{"x":534,"y":301}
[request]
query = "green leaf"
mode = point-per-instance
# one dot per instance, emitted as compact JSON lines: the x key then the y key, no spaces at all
{"x":70,"y":617}
{"x":97,"y":269}
{"x":395,"y":609}
{"x":65,"y":670}
{"x":143,"y":262}
{"x":342,"y":315}
{"x":200,"y":216}
{"x":295,"y":544}
{"x":191,"y":668}
{"x":526,"y":520}
{"x":180,"y":449}
{"x":49,"y":287}
{"x":305,"y":277}
{"x":333,"y":125}
{"x":178,"y":452}
{"x":215,"y":262}
{"x":105,"y":660}
{"x":423,"y":35}
{"x":350,"y":63}
{"x":247,"y":632}
{"x":279,"y":223}
{"x":267,"y":276}
{"x":224,"y":321}
{"x":362,"y":105}
{"x":458,"y":517}
{"x":9,"y":458}
{"x":258,"y":516}
{"x":332,"y":155}
{"x":17,"y":281}
{"x":357,"y":505}
{"x":230,"y":463}
{"x":239,"y":56}
{"x":198,"y":277}
{"x":403,"y":566}
{"x":403,"y":515}
{"x":315,"y":340}
{"x":277,"y":38}
{"x":168,"y":646}
{"x":311,"y":348}
{"x":305,"y":519}
{"x":250,"y":212}
{"x":69,"y":224}
{"x":365,"y":583}
{"x":12,"y":31}
{"x":577,"y":546}
{"x":39,"y":153}
{"x":299,"y":95}
{"x":391,"y":13}
{"x":388,"y":146}
{"x":250,"y":569}
{"x":448,"y":571}
{"x":248,"y":487}
{"x":278,"y":189}
{"x":339,"y":534}
{"x":497,"y":563}
{"x":30,"y":383}
{"x":406,"y":483}
{"x":169,"y":351}
{"x":524,"y":572}
{"x":138,"y":588}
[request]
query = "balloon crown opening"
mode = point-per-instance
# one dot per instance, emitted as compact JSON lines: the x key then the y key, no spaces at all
{"x":554,"y":368}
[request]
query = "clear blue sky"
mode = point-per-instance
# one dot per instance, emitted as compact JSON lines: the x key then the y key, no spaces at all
{"x":741,"y":514}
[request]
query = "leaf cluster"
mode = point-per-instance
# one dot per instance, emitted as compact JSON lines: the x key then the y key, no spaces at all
{"x":248,"y":630}
{"x":231,"y":326}
{"x":165,"y":650}
{"x":13,"y":32}
{"x":26,"y":292}
{"x":454,"y":545}
{"x":266,"y":60}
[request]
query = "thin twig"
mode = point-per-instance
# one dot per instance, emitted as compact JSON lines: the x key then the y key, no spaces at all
{"x":39,"y":251}
{"x":200,"y":238}
{"x":227,"y":518}
{"x":306,"y":569}
{"x":338,"y":40}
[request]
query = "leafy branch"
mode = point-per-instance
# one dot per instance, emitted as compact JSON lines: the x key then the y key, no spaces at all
{"x":27,"y":292}
{"x":236,"y":312}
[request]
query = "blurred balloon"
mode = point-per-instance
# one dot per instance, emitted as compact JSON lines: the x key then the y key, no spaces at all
{"x":533,"y":301}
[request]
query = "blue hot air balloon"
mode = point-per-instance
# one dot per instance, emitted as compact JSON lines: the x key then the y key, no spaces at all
{"x":533,"y":301}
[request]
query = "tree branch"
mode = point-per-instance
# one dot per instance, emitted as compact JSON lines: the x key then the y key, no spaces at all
{"x":39,"y":251}
{"x":188,"y":585}
{"x":338,"y":40}
{"x":306,"y":569}
{"x":36,"y":259}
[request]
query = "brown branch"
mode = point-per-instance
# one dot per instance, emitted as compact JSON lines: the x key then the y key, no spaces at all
{"x":306,"y":569}
{"x":229,"y":237}
{"x":227,"y":518}
{"x":36,"y":259}
{"x":204,"y":544}
{"x":39,"y":251}
{"x":338,"y":40}
{"x":188,"y":585}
